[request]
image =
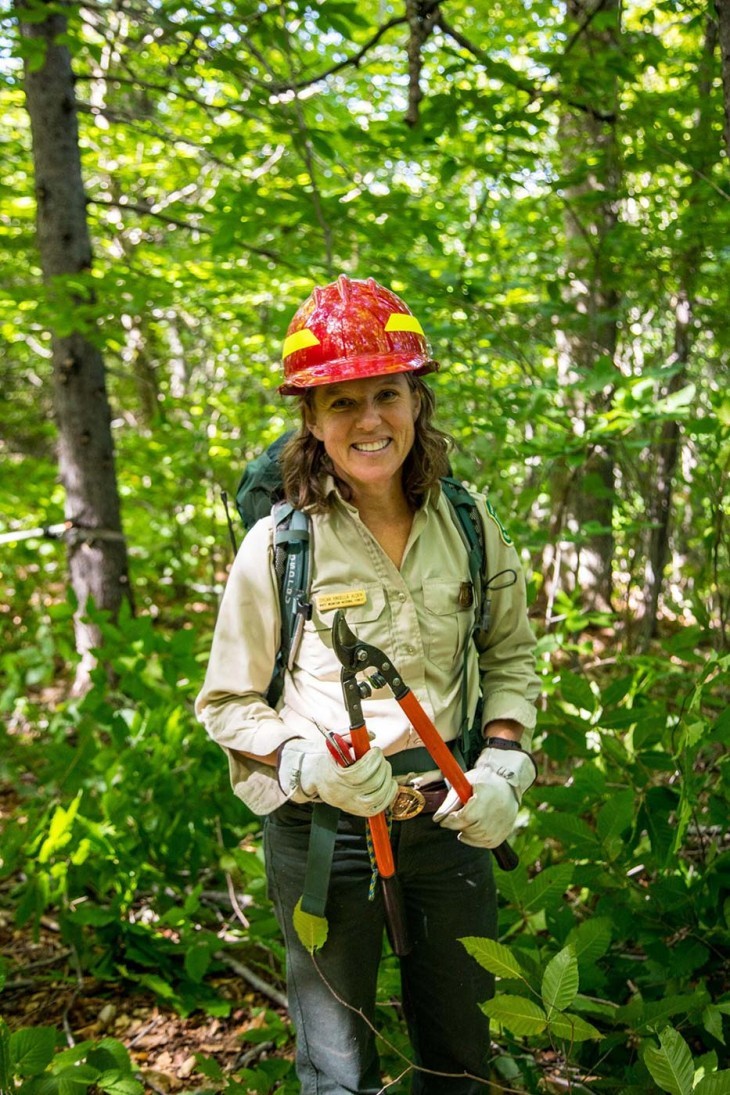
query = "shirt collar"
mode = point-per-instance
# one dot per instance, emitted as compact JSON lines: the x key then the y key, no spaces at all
{"x":431,"y":499}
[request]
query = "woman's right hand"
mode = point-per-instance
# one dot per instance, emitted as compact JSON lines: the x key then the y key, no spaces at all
{"x":499,"y":778}
{"x":307,"y":771}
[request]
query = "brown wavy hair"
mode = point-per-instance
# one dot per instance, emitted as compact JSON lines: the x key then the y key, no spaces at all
{"x":304,"y":462}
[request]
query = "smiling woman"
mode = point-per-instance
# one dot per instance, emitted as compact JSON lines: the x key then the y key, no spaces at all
{"x":365,"y":466}
{"x":367,"y":429}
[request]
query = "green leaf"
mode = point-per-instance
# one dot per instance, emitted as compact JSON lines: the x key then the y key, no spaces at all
{"x":73,"y":1077}
{"x":650,"y":1016}
{"x":670,"y":1064}
{"x":616,"y":815}
{"x":197,"y":961}
{"x":571,"y":831}
{"x":209,"y":1067}
{"x":45,"y":1084}
{"x":593,"y":1006}
{"x":59,"y":831}
{"x":560,"y":981}
{"x":32,"y":1049}
{"x":312,"y":930}
{"x":517,"y":1014}
{"x":571,"y":1028}
{"x":116,"y":1083}
{"x":712,"y":1022}
{"x":157,"y":985}
{"x":548,"y":886}
{"x":73,"y":1054}
{"x":577,"y":691}
{"x":109,"y":1054}
{"x":494,"y":957}
{"x":591,"y":939}
{"x":717,"y":1083}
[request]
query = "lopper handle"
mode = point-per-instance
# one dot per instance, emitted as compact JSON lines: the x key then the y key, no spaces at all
{"x":436,"y":746}
{"x":395,"y":917}
{"x":378,"y":824}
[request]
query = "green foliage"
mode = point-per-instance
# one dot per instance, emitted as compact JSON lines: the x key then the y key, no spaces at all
{"x":31,"y":1063}
{"x":127,"y":820}
{"x":615,"y":926}
{"x":216,"y":198}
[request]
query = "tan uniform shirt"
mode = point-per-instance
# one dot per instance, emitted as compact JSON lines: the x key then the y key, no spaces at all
{"x":415,"y":614}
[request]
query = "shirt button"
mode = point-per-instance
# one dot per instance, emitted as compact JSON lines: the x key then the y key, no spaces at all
{"x":401,"y":596}
{"x":409,"y":649}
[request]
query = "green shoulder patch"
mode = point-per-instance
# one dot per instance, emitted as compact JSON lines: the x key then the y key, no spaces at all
{"x":506,"y":538}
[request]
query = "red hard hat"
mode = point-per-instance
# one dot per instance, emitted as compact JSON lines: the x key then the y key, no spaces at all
{"x":352,"y":329}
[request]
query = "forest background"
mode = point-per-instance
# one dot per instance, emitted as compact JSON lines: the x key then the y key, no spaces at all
{"x":547,"y":186}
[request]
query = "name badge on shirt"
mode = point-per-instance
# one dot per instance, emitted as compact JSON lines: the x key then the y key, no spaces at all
{"x":328,"y":602}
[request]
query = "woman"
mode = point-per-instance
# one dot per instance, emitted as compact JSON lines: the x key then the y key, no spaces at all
{"x":366,"y":465}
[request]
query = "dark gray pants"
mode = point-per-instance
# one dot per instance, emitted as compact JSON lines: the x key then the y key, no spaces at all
{"x":449,"y":893}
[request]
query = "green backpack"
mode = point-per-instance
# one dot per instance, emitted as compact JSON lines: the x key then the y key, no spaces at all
{"x":260,"y":493}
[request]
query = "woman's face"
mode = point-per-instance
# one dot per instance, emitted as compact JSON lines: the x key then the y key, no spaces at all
{"x":367,"y":428}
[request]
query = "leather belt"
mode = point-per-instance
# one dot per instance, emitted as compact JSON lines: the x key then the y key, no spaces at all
{"x":412,"y":801}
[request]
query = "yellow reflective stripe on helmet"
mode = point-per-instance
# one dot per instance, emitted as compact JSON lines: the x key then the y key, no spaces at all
{"x":300,"y":340}
{"x":401,"y":321}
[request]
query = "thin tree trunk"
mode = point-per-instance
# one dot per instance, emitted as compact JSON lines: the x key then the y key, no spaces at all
{"x":659,"y":498}
{"x":581,"y":530}
{"x":97,"y":552}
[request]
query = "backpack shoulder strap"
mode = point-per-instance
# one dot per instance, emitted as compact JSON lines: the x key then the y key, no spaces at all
{"x":469,"y":524}
{"x":293,"y":566}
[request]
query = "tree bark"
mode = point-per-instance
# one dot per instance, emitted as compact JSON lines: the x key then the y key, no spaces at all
{"x":667,"y":452}
{"x":97,"y":553}
{"x":581,"y":534}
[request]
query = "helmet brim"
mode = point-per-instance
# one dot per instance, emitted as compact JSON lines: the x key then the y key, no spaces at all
{"x":358,"y":368}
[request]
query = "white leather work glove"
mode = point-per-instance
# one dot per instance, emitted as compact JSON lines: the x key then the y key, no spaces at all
{"x":307,"y":771}
{"x":500,"y":777}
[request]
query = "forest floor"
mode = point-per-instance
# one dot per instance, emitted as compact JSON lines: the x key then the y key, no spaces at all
{"x":42,"y":988}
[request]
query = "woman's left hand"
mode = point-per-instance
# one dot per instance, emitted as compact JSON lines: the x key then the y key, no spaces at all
{"x":499,"y":778}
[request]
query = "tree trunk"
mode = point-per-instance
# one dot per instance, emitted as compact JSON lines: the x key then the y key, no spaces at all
{"x":581,"y":535}
{"x":96,"y":547}
{"x":659,"y":498}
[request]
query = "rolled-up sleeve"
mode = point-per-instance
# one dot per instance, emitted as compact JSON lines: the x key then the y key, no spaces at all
{"x":510,"y":684}
{"x":232,"y":702}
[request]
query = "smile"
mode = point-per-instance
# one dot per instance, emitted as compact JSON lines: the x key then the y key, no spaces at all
{"x":372,"y":446}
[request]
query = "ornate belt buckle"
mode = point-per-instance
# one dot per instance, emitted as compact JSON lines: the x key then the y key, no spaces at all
{"x":408,"y":803}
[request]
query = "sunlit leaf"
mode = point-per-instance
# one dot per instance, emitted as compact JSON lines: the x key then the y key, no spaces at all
{"x":560,"y":981}
{"x":571,"y":1028}
{"x":521,"y":1016}
{"x":312,"y":930}
{"x":493,"y":956}
{"x":670,"y":1063}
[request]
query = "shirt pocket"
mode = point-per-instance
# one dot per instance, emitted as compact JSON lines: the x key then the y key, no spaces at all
{"x":447,"y":623}
{"x":368,"y":621}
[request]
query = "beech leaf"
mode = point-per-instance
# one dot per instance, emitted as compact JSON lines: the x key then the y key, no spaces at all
{"x":312,"y":930}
